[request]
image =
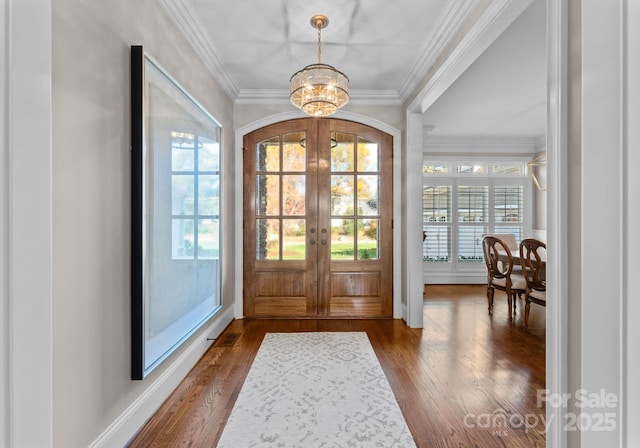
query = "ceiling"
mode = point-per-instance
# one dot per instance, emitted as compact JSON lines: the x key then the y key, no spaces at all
{"x":475,"y":67}
{"x":503,"y":93}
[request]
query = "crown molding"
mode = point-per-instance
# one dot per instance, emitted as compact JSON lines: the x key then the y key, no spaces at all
{"x":375,"y":97}
{"x":446,"y":27}
{"x":187,"y":21}
{"x":453,"y":17}
{"x":262,"y":97}
{"x":281,"y":96}
{"x":481,"y":34}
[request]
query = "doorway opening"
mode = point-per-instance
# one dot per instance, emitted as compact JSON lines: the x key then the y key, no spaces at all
{"x":318,"y":220}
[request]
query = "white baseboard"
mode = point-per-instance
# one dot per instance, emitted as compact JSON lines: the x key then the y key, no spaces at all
{"x":453,"y":279}
{"x":123,"y":428}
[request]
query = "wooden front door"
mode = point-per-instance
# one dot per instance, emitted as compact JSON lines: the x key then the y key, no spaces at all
{"x":318,"y":220}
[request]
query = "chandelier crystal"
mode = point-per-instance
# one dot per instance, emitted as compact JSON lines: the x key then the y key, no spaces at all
{"x":319,"y":89}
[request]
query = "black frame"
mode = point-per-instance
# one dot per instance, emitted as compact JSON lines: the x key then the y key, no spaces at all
{"x":137,"y":191}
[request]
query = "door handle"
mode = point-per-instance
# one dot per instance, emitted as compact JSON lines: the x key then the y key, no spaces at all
{"x":323,"y":242}
{"x":312,"y":242}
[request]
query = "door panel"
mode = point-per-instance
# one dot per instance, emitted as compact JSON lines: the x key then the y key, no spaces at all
{"x":318,"y":220}
{"x":279,"y":212}
{"x":356,"y":267}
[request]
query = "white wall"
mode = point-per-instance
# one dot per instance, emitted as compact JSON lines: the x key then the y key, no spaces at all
{"x":94,"y":401}
{"x":413,"y":284}
{"x":574,"y":208}
{"x":27,"y":228}
{"x":631,"y":429}
{"x":4,"y":227}
{"x":602,"y":218}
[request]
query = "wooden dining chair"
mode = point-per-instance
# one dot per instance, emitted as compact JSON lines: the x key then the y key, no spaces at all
{"x":509,"y":239}
{"x":533,"y":270}
{"x":500,"y":276}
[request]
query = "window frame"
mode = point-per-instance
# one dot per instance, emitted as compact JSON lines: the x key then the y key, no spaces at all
{"x":455,"y":180}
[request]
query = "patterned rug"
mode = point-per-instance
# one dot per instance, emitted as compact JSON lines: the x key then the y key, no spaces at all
{"x":316,"y":390}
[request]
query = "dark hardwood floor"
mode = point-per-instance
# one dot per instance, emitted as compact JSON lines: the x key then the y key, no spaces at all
{"x":467,"y":379}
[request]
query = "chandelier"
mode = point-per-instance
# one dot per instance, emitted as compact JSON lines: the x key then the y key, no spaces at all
{"x":319,"y":89}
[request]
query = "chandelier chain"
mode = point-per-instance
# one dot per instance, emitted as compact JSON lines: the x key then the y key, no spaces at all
{"x":319,"y":46}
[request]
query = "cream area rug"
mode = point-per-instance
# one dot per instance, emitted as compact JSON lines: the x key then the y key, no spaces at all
{"x":312,"y":390}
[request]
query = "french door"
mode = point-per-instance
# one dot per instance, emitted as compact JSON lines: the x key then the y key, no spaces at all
{"x":318,"y":220}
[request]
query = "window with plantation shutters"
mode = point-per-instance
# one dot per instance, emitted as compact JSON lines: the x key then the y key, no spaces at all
{"x":464,"y":200}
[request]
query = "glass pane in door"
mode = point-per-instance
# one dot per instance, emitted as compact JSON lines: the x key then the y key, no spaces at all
{"x":367,"y":239}
{"x":342,"y":195}
{"x":268,"y":155}
{"x":267,"y":195}
{"x":293,"y":194}
{"x":368,"y":156}
{"x":368,"y":195}
{"x":294,"y":154}
{"x":342,"y":239}
{"x":267,"y":239}
{"x":293,"y":239}
{"x":342,"y":152}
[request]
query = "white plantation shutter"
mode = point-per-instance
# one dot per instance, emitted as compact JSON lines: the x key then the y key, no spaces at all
{"x":509,"y":210}
{"x":473,"y":219}
{"x":436,"y":223}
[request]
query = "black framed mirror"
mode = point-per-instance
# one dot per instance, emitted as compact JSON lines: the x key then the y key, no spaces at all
{"x":175,"y":214}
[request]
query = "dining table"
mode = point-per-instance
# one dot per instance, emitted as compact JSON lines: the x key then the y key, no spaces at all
{"x":515,"y":255}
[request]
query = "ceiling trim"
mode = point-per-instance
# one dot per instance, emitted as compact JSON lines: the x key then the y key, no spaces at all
{"x":375,"y":97}
{"x":186,"y":18}
{"x":262,"y":96}
{"x":446,"y":27}
{"x":281,"y":96}
{"x":481,"y":34}
{"x":493,"y":21}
